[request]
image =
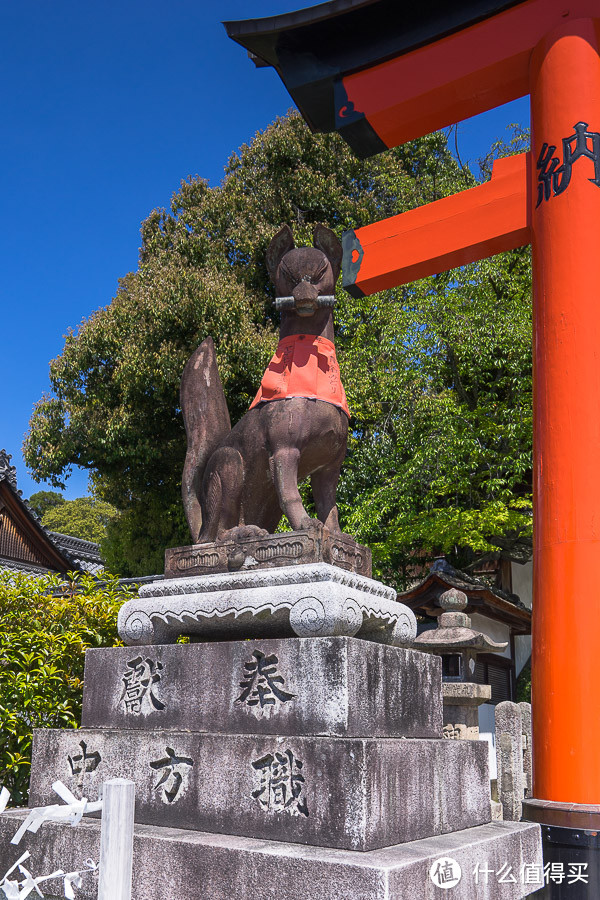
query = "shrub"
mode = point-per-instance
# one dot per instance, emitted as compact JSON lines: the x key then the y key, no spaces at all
{"x":524,"y":684}
{"x":46,"y":625}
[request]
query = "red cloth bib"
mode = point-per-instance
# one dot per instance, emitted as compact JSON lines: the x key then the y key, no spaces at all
{"x":303,"y":366}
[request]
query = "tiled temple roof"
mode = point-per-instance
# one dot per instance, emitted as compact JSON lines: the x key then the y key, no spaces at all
{"x":65,"y":552}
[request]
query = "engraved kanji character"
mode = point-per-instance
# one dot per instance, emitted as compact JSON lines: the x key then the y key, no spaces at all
{"x":280,"y":783}
{"x":138,"y":685}
{"x":262,"y":685}
{"x":83,"y":762}
{"x":176,"y":770}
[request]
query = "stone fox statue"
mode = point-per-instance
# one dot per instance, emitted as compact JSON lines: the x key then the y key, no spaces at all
{"x":238,"y":481}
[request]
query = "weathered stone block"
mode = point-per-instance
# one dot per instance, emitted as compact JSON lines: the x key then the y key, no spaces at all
{"x":171,"y":862}
{"x":512,"y":780}
{"x":322,"y":686}
{"x":353,"y":793}
{"x":525,"y":709}
{"x":305,"y":600}
{"x":461,"y":700}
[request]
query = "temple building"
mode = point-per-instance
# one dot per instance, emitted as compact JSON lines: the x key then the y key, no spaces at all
{"x":27,"y":546}
{"x":495,"y":611}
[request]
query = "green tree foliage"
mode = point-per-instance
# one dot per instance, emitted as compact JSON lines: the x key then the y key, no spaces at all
{"x":441,"y":461}
{"x":47,"y":625}
{"x":85,"y":518}
{"x":524,"y":684}
{"x":42,"y":501}
{"x":437,"y":373}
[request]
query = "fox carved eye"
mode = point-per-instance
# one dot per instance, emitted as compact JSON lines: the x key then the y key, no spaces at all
{"x":317,"y":277}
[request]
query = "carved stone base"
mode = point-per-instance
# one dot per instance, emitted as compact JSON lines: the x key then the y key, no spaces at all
{"x":285,"y":687}
{"x":292,"y":548}
{"x":188,"y":865}
{"x":307,"y":601}
{"x":352,"y":793}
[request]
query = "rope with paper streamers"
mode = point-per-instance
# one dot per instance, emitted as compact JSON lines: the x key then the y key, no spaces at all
{"x":69,"y":813}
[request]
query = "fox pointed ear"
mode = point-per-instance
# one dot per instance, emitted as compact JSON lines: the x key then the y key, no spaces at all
{"x":281,"y":244}
{"x":325,"y":240}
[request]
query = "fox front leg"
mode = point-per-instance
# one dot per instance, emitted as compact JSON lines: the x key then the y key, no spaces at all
{"x":284,"y":471}
{"x":324,"y":485}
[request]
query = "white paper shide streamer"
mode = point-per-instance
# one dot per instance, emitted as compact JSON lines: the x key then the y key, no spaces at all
{"x":69,"y":813}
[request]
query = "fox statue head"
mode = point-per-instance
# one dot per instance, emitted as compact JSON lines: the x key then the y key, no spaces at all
{"x":304,"y":277}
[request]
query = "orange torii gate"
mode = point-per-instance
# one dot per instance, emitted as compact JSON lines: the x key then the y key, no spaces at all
{"x":382,"y":74}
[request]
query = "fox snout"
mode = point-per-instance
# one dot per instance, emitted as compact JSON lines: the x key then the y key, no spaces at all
{"x":305,"y":296}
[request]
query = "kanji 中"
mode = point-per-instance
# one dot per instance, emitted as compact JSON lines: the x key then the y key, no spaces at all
{"x":83,"y":762}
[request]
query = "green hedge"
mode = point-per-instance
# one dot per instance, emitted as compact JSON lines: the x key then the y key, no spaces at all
{"x":524,"y":684}
{"x":46,"y":625}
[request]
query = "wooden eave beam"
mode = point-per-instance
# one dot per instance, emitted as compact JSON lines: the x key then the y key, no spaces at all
{"x":422,"y":599}
{"x":49,"y":555}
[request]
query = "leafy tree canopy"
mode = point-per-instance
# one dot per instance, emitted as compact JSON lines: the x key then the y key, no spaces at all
{"x":85,"y":518}
{"x":42,"y":501}
{"x":438,"y":373}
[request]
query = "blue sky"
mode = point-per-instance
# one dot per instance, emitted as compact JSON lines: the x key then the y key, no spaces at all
{"x":105,"y":109}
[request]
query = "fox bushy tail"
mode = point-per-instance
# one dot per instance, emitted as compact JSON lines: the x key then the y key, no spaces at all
{"x":207,"y":423}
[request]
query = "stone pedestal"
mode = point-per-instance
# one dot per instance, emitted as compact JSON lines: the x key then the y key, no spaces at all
{"x":171,"y":863}
{"x":336,"y":686}
{"x":284,"y":768}
{"x":351,"y":793}
{"x":311,"y":545}
{"x":305,"y":600}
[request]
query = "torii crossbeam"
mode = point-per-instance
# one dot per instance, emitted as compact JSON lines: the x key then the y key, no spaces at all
{"x":381,"y":74}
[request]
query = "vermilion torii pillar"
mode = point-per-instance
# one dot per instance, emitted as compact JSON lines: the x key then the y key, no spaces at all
{"x":565,"y":234}
{"x":381,"y":75}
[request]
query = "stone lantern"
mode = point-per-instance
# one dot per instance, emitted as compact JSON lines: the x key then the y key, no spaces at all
{"x":459,"y":646}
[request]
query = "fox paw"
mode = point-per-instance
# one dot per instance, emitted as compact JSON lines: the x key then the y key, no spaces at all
{"x":243,"y":532}
{"x":308,"y":524}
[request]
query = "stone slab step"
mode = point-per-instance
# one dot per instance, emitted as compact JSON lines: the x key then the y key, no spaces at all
{"x":353,"y":793}
{"x":329,"y":686}
{"x":189,"y":865}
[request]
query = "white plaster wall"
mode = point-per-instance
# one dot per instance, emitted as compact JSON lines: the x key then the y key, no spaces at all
{"x":487,"y":732}
{"x":522,"y":584}
{"x":522,"y":581}
{"x":522,"y":651}
{"x":495,"y":630}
